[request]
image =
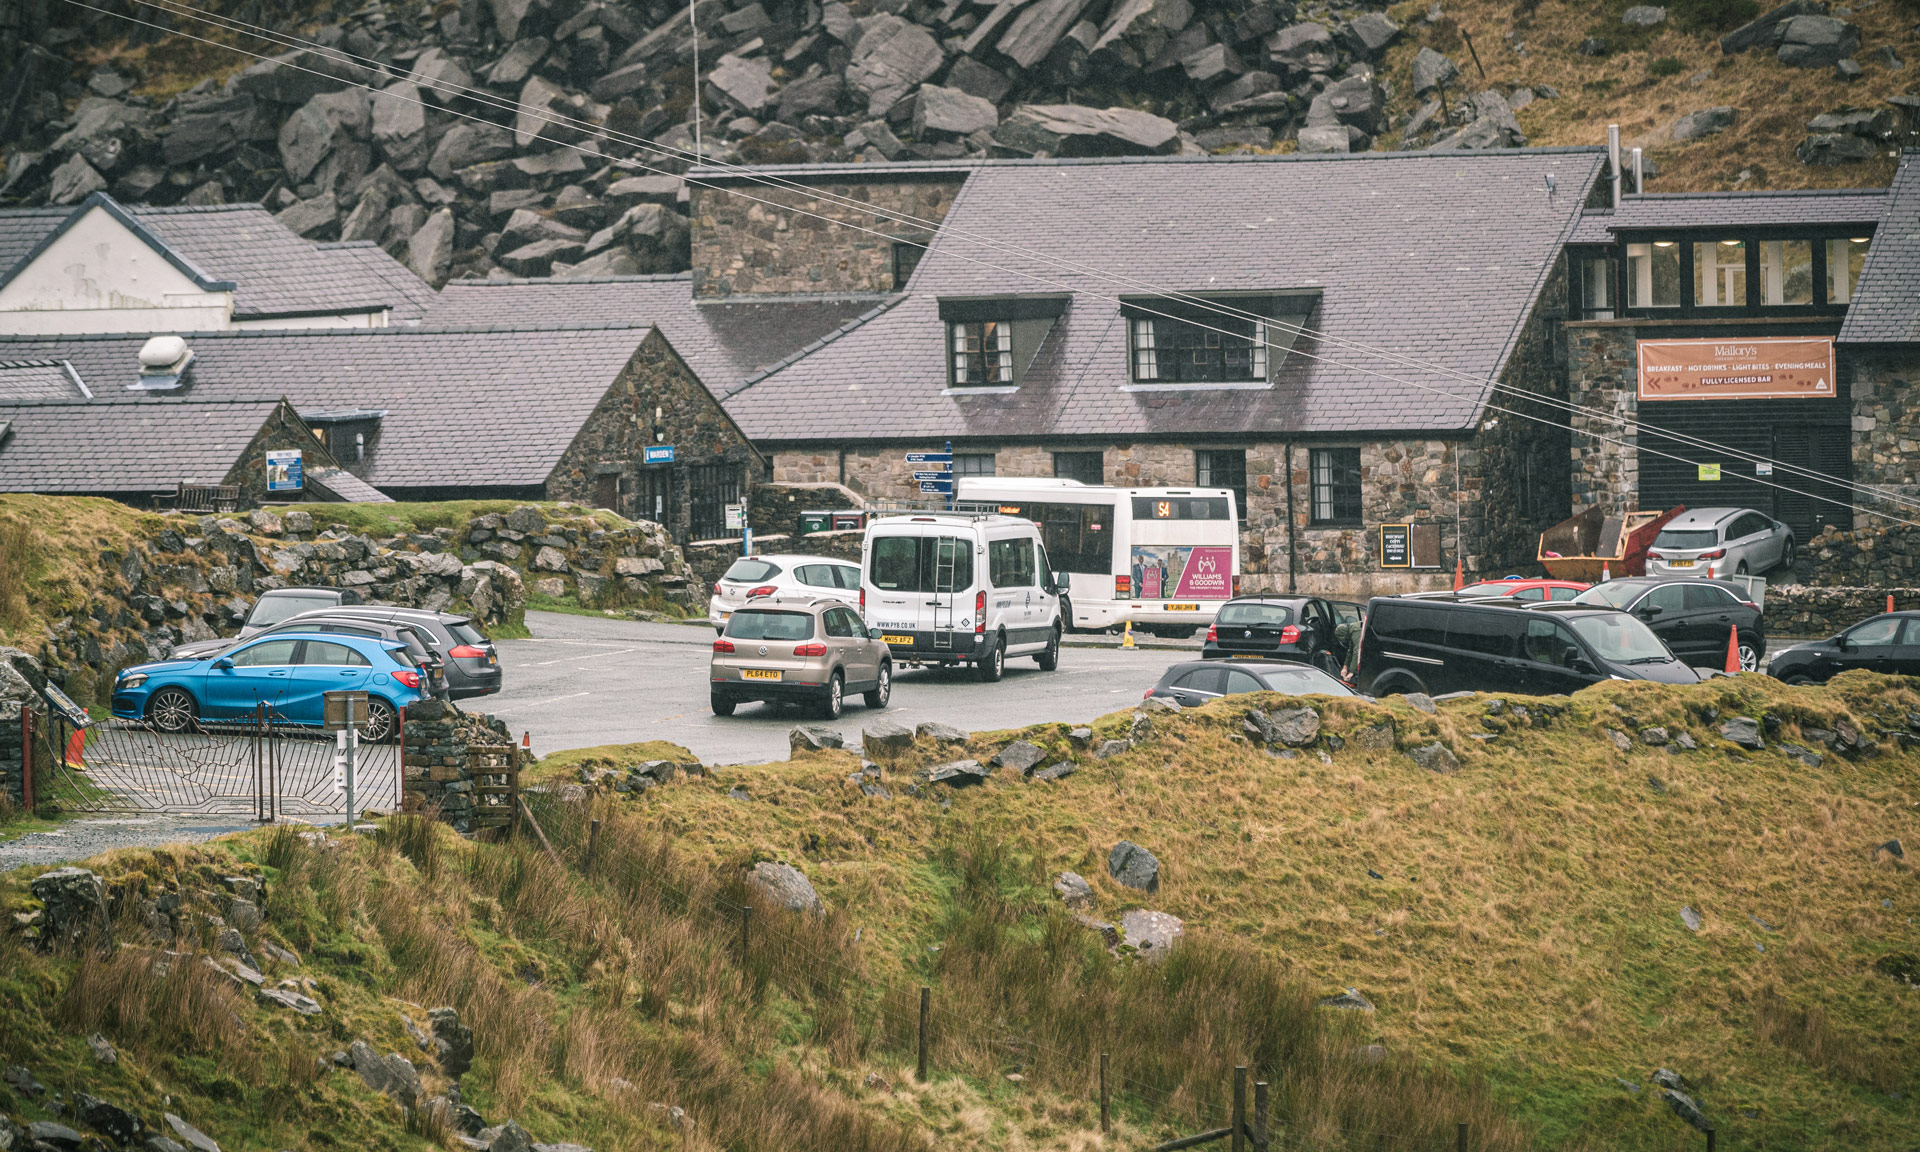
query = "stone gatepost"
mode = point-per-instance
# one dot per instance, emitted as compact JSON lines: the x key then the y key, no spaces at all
{"x":435,"y":776}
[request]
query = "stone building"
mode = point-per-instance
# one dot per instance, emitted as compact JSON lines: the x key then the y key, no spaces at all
{"x":1880,"y":345}
{"x":1715,"y":357}
{"x":1345,"y":341}
{"x":516,"y":412}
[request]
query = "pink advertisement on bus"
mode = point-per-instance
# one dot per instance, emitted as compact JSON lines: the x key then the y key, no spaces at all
{"x":1177,"y":572}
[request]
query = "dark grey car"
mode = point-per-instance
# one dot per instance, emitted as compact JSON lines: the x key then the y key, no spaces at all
{"x":471,"y":664}
{"x":271,"y":608}
{"x":419,"y":642}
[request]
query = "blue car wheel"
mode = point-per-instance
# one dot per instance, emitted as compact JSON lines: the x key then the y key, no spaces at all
{"x":172,"y":710}
{"x":382,"y":722}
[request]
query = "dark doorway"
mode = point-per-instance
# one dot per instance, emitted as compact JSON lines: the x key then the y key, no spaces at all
{"x":711,"y":488}
{"x":606,"y":491}
{"x":653,"y":496}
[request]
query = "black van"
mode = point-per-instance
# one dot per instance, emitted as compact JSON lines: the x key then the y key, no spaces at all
{"x":1433,"y":647}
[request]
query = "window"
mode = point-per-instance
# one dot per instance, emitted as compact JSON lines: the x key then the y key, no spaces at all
{"x":1216,"y":350}
{"x":1079,"y":537}
{"x":1208,"y":680}
{"x":1223,"y":468}
{"x":973,"y":463}
{"x":983,"y":352}
{"x":771,"y":626}
{"x":265,"y":655}
{"x":1010,"y":563}
{"x":1653,"y":275}
{"x":273,"y":609}
{"x":1593,"y":287}
{"x":1414,"y":625}
{"x":1720,"y":274}
{"x":1238,"y":682}
{"x":1488,"y":633}
{"x":1844,"y":261}
{"x":751,"y":570}
{"x":713,"y":487}
{"x":922,"y":564}
{"x":1180,"y":507}
{"x":1254,"y":614}
{"x":1550,"y":643}
{"x":1086,"y":467}
{"x":334,"y":655}
{"x":1668,"y":598}
{"x":1334,"y":478}
{"x":838,"y":622}
{"x":906,"y":257}
{"x":1702,"y":596}
{"x":1786,"y":272}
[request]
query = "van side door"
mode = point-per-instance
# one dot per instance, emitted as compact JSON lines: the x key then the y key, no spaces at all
{"x":1485,"y":651}
{"x":1549,"y":653}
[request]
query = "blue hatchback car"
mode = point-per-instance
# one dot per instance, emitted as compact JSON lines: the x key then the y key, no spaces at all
{"x":288,"y":672}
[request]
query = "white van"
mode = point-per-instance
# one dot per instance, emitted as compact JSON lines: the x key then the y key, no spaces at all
{"x":960,"y":588}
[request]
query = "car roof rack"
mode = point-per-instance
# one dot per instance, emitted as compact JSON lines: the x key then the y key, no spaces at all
{"x":960,"y":509}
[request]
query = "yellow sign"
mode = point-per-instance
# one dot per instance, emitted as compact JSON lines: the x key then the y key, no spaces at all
{"x":759,"y":674}
{"x":907,"y":640}
{"x":1709,"y":471}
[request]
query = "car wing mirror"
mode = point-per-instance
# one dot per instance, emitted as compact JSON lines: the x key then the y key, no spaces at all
{"x":873,"y":633}
{"x":1847,"y":645}
{"x":1652,"y":610}
{"x":1577,"y":660}
{"x":223,"y":665}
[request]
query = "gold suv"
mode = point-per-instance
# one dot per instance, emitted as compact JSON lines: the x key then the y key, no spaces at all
{"x":798,"y":650}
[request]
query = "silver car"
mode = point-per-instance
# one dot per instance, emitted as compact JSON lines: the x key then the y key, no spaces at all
{"x":1720,"y":542}
{"x":752,"y":577}
{"x":798,"y":650}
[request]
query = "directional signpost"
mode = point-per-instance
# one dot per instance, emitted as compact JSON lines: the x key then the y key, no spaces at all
{"x":936,"y":477}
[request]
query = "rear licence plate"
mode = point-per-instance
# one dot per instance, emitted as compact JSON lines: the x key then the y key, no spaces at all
{"x":758,"y":674}
{"x":1248,"y":656}
{"x":726,"y":615}
{"x":1183,"y":607}
{"x":907,"y":640}
{"x":1679,"y":563}
{"x":492,"y":659}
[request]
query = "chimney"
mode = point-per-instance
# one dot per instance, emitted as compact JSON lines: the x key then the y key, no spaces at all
{"x":1613,"y":159}
{"x":163,"y":364}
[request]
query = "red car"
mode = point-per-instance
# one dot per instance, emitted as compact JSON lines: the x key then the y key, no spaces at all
{"x":1528,"y":590}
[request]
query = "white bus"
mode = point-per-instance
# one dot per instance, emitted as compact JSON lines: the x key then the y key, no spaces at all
{"x":1163,"y":558}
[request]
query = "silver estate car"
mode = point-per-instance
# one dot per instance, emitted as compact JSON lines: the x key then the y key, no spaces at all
{"x":806,"y":650}
{"x":1720,"y":542}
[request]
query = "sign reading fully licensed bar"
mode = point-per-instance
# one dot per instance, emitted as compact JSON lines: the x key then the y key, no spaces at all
{"x":1773,"y":368}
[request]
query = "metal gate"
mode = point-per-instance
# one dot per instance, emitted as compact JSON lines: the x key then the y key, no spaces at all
{"x":257,"y":765}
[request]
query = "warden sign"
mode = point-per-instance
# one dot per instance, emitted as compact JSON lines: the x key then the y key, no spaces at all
{"x":1772,"y":368}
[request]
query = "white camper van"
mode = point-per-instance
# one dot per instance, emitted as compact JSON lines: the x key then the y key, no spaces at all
{"x":960,"y":588}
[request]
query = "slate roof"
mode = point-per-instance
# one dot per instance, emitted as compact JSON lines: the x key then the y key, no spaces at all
{"x":276,"y":273}
{"x":136,"y":446}
{"x":465,"y":407}
{"x":37,"y":380}
{"x":723,"y":341}
{"x":1437,"y":259}
{"x":346,"y":486}
{"x":1886,"y":303}
{"x":1731,"y":210}
{"x":410,"y":297}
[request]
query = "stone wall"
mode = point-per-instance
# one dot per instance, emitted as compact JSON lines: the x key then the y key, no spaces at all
{"x":776,"y":509}
{"x":196,"y":578}
{"x":743,"y":245}
{"x":1877,"y":555}
{"x":710,"y":559}
{"x":20,"y":681}
{"x":1806,"y":611}
{"x":1603,"y":366}
{"x":434,"y":774}
{"x":1886,"y":422}
{"x":656,"y":387}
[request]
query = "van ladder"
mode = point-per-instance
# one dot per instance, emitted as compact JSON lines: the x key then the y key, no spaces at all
{"x":943,"y":574}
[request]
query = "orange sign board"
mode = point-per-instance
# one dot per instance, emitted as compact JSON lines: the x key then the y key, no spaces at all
{"x":1772,"y":368}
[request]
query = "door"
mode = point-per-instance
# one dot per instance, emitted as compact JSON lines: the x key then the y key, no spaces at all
{"x":1870,"y":645}
{"x":1664,"y":609}
{"x":711,"y":487}
{"x":1013,"y":571}
{"x":1548,"y":655}
{"x":606,"y":491}
{"x":949,"y":576}
{"x":1906,"y":658}
{"x":1316,"y":626}
{"x":325,"y":666}
{"x":654,"y":498}
{"x":849,"y":647}
{"x":1712,"y":616}
{"x":916,"y":581}
{"x":1484,"y":652}
{"x":261,"y":673}
{"x":1199,"y":686}
{"x":1046,"y":603}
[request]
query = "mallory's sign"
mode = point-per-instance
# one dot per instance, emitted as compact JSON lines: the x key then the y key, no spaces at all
{"x":1773,"y":368}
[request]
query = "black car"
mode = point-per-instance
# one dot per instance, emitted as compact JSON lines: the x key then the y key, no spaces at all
{"x":1192,"y":683}
{"x":1692,"y":616}
{"x":1436,"y":646}
{"x":1297,"y":628}
{"x":1886,"y":643}
{"x":472,"y":665}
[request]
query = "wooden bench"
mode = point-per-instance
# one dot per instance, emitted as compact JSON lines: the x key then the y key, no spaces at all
{"x":206,"y":498}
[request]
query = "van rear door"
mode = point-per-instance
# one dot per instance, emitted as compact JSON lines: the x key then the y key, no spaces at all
{"x":915,"y":581}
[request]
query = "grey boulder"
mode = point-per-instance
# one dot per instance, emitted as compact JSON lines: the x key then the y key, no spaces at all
{"x":948,"y":113}
{"x":1074,"y":891}
{"x":1832,"y":149}
{"x":786,"y":886}
{"x":1643,"y":16}
{"x":747,"y":84}
{"x":957,"y":773}
{"x":941,"y":733}
{"x":887,"y":735}
{"x":1151,"y":934}
{"x":74,"y":181}
{"x":74,"y":902}
{"x":1130,"y":864}
{"x":1817,"y":41}
{"x":1684,"y":1107}
{"x":1021,"y":756}
{"x":1705,"y":122}
{"x":1431,"y":70}
{"x":1371,"y":32}
{"x":813,"y":738}
{"x":1745,"y":732}
{"x":1072,"y":130}
{"x":189,"y":1135}
{"x":889,"y":59}
{"x":1434,"y":757}
{"x":1351,"y":1000}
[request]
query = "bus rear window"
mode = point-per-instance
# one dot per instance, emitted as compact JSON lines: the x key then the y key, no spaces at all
{"x":1180,"y":508}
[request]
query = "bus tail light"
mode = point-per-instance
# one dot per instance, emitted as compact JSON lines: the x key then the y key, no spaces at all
{"x":1123,"y":587}
{"x":980,"y":611}
{"x":1236,"y":583}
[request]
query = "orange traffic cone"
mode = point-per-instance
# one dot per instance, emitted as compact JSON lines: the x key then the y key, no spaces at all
{"x":1459,"y":575}
{"x":1606,"y":573}
{"x":77,"y":748}
{"x":1889,"y":601}
{"x":1733,"y":651}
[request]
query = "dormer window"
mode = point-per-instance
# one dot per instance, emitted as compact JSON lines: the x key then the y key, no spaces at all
{"x":982,"y":352}
{"x":992,"y":339}
{"x":1222,"y":349}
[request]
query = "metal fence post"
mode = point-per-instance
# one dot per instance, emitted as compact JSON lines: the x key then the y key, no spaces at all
{"x":1106,"y":1124}
{"x":926,"y":1007}
{"x":1239,"y":1139}
{"x":1710,"y":1134}
{"x":1460,"y":1134}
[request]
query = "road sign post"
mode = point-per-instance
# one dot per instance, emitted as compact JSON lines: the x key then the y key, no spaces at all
{"x":935,"y":476}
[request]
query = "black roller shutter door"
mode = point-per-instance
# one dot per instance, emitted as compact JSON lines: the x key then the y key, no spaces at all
{"x":1811,"y":434}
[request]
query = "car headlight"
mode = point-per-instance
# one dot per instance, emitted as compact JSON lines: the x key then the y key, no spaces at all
{"x":133,"y":681}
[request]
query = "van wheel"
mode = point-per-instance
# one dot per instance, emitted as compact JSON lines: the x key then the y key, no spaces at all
{"x":883,"y":689}
{"x":1387,"y":684}
{"x":992,"y":662}
{"x":834,"y":699}
{"x":1798,"y":680}
{"x":1050,"y":659}
{"x":722,"y":705}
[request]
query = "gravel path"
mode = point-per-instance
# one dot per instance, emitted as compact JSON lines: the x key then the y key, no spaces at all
{"x":90,"y":836}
